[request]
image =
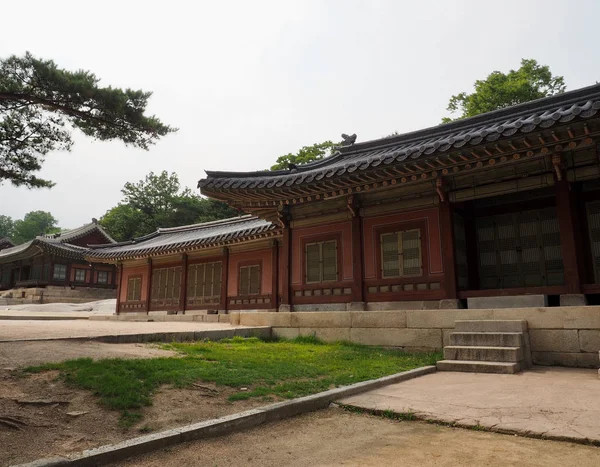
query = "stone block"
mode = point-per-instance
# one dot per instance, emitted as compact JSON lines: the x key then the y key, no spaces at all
{"x":446,"y":336}
{"x":326,"y":334}
{"x":321,"y":319}
{"x":537,"y":318}
{"x":356,"y":306}
{"x":234,"y":318}
{"x":491,"y":325}
{"x":265,"y":318}
{"x":224,"y":318}
{"x":450,"y":304}
{"x":320,"y":307}
{"x":423,"y":338}
{"x":379,"y":319}
{"x":286,"y":333}
{"x":392,"y":306}
{"x":442,"y":318}
{"x":211,"y":318}
{"x":546,"y":340}
{"x":196,"y":312}
{"x":512,"y":301}
{"x":589,"y":340}
{"x":581,"y":317}
{"x":573,"y":300}
{"x":578,"y":359}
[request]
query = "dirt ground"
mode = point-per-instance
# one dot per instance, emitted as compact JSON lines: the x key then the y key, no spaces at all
{"x":21,"y":354}
{"x":37,"y":407}
{"x":335,"y":437}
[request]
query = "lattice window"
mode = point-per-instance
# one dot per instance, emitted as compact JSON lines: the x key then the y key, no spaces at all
{"x":204,"y":283}
{"x":321,"y":261}
{"x":460,"y":245}
{"x":401,"y":254}
{"x":519,"y":250}
{"x":249,"y":280}
{"x":60,"y":272}
{"x":102,"y":277}
{"x":166,"y":286}
{"x":134,"y":289}
{"x":593,"y":216}
{"x":79,"y":275}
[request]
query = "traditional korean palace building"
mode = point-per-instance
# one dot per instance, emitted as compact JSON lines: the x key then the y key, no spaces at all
{"x":504,"y":204}
{"x":52,"y":268}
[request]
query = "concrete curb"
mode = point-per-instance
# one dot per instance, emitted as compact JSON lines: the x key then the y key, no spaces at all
{"x":41,"y":318}
{"x":222,"y":426}
{"x":176,"y":336}
{"x":421,"y":417}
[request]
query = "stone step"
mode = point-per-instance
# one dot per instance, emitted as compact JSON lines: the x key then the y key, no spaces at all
{"x":479,"y":367}
{"x":493,"y":339}
{"x":491,"y":325}
{"x":483,"y":354}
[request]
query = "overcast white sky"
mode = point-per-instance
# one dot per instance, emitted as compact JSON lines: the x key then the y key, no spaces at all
{"x":248,"y":81}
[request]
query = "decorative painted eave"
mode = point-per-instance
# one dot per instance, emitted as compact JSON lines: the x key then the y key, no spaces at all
{"x":537,"y":128}
{"x":185,"y":239}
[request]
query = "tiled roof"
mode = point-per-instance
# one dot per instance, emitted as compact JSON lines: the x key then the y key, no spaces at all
{"x":5,"y":243}
{"x":80,"y":232}
{"x":520,"y":119}
{"x":56,"y":244}
{"x":44,"y":244}
{"x":174,"y":239}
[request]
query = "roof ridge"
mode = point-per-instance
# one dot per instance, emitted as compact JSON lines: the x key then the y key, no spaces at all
{"x":218,"y":222}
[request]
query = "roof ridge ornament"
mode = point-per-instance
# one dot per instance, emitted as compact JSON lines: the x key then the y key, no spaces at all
{"x":348,"y":140}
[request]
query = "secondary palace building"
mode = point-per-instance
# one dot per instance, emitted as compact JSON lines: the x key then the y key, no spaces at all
{"x":502,"y":206}
{"x":52,"y":268}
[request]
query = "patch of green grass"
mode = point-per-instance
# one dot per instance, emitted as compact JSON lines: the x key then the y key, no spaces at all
{"x":286,"y":369}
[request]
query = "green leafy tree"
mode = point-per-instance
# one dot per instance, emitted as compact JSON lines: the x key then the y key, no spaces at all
{"x":306,"y":154}
{"x":499,"y":90}
{"x":40,"y":104}
{"x":33,"y":224}
{"x":158,"y":201}
{"x":6,"y":226}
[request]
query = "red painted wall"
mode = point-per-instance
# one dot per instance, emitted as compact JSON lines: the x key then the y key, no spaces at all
{"x":136,"y":271}
{"x":432,"y":220}
{"x":247,"y":257}
{"x":306,"y":233}
{"x":93,"y":238}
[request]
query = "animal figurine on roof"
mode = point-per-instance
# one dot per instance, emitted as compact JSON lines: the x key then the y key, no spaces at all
{"x":348,"y":140}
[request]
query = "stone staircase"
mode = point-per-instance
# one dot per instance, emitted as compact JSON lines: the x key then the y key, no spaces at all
{"x":487,"y":346}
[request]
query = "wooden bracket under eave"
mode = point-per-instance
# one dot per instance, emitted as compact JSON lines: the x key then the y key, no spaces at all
{"x":351,"y":205}
{"x":558,"y":167}
{"x":440,"y":187}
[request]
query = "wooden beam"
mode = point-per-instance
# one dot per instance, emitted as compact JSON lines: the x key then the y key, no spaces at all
{"x":183,"y":289}
{"x":275,"y":274}
{"x":565,"y":210}
{"x":285,"y":266}
{"x":448,"y":256}
{"x":148,"y":284}
{"x":224,"y":278}
{"x":119,"y":280}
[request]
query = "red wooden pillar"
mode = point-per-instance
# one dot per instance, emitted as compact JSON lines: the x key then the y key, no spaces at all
{"x":183,"y":284}
{"x":148,"y":284}
{"x":275,"y":275}
{"x":285,"y":266}
{"x":224,"y":279}
{"x":119,"y":280}
{"x":565,"y":210}
{"x":447,"y":239}
{"x":357,"y":259}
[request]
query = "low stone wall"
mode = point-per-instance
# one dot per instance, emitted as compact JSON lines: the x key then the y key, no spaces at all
{"x":568,"y":336}
{"x":56,"y":294}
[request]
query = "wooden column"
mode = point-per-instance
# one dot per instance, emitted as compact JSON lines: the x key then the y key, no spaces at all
{"x":357,"y":258}
{"x":275,"y":275}
{"x":183,"y":290}
{"x":224,"y":278}
{"x":565,"y":210}
{"x":286,"y":245}
{"x":148,"y":284}
{"x":119,"y":280}
{"x":447,"y":239}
